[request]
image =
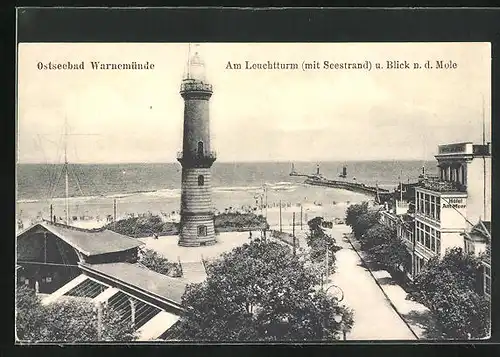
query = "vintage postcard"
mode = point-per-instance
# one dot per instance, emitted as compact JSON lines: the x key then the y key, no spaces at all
{"x":253,"y":192}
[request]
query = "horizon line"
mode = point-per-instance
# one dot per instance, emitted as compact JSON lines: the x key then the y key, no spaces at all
{"x":220,"y":162}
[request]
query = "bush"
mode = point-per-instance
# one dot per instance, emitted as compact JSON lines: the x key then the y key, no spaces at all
{"x":156,"y":262}
{"x":240,"y":221}
{"x":148,"y":225}
{"x":74,"y":320}
{"x":144,"y":226}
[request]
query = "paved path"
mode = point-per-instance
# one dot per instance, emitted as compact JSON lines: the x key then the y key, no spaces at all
{"x":417,"y":316}
{"x":374,"y":317}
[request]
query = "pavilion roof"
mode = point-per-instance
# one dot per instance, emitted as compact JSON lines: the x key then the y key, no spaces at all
{"x":88,"y":242}
{"x":142,"y":278}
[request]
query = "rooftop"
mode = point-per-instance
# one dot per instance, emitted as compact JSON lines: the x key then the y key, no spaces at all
{"x":481,"y":232}
{"x":483,"y":228}
{"x":88,"y":241}
{"x":143,"y":278}
{"x":487,"y":225}
{"x":460,"y":149}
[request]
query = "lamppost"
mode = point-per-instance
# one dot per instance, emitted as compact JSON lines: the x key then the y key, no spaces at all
{"x":340,"y":293}
{"x":339,"y":296}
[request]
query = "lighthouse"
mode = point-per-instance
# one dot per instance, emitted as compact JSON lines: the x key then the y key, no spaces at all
{"x":196,"y":158}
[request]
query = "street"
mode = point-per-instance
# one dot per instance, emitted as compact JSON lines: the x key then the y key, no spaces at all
{"x":374,"y":317}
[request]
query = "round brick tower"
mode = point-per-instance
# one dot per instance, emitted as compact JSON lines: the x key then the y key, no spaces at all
{"x":197,"y":216}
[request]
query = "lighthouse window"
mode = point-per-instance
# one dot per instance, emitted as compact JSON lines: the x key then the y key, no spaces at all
{"x":202,"y":231}
{"x":200,"y":148}
{"x":201,"y":180}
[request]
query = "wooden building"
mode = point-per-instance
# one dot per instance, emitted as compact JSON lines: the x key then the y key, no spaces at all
{"x":49,"y":253}
{"x":100,"y":266}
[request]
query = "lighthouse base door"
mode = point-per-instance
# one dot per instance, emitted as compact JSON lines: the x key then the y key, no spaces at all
{"x":197,"y":231}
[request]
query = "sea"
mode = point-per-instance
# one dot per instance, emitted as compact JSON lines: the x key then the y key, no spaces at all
{"x":94,"y":189}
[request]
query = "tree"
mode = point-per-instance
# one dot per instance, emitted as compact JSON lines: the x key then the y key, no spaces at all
{"x":73,"y":320}
{"x":318,"y":242}
{"x":259,"y":291}
{"x":360,"y":218}
{"x":353,"y":212}
{"x":391,"y":253}
{"x":156,"y":262}
{"x":447,"y":287}
{"x":376,"y":235}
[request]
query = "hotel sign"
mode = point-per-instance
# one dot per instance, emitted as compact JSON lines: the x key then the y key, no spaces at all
{"x":454,"y":203}
{"x":452,"y":148}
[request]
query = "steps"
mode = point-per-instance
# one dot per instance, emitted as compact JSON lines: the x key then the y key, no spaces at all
{"x":194,"y":272}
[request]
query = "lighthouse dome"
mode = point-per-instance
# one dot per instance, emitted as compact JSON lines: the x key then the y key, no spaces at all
{"x":196,"y":68}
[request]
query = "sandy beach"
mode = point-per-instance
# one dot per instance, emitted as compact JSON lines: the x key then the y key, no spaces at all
{"x":327,"y":202}
{"x":167,"y":245}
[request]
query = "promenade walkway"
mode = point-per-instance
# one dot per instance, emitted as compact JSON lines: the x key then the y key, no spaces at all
{"x":374,"y":317}
{"x":417,"y":316}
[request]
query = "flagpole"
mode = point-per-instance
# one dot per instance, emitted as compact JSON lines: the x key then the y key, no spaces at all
{"x":66,"y":169}
{"x":484,"y":164}
{"x":188,"y":60}
{"x":484,"y":125}
{"x":401,"y":187}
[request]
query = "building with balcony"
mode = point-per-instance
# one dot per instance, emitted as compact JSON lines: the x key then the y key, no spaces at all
{"x":398,"y":219}
{"x":446,"y":205}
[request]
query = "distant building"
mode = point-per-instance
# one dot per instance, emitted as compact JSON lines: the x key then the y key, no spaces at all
{"x":447,"y":204}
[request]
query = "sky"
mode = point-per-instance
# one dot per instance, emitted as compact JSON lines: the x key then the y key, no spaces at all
{"x":255,"y":115}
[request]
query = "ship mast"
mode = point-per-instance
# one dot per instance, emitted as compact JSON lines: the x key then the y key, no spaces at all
{"x":66,"y":168}
{"x":484,"y":164}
